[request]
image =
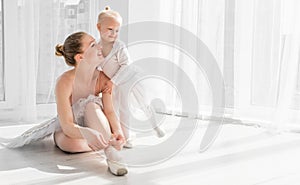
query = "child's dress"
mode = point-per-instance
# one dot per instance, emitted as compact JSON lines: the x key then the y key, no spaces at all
{"x":125,"y":78}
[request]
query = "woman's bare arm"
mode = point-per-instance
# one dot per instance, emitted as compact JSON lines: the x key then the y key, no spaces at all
{"x":108,"y":103}
{"x":110,"y":113}
{"x":63,"y":91}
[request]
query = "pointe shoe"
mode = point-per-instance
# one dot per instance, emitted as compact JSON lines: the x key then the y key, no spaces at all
{"x":117,"y":168}
{"x":159,"y":132}
{"x":129,"y":143}
{"x":113,"y":160}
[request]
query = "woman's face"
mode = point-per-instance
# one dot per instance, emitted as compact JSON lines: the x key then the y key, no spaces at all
{"x":109,"y":29}
{"x":91,"y":50}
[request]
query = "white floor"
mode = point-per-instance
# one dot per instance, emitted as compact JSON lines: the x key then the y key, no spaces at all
{"x":241,"y":155}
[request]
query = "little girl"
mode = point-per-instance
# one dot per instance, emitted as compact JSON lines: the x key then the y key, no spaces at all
{"x":115,"y":66}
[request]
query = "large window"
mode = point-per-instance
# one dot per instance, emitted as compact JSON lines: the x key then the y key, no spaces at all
{"x":30,"y":30}
{"x":57,"y":20}
{"x":250,"y":40}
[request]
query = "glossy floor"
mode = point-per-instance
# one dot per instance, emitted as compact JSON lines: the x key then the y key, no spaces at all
{"x":240,"y":155}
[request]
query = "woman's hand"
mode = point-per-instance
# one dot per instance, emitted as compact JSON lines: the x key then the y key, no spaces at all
{"x":117,"y":140}
{"x":94,"y":138}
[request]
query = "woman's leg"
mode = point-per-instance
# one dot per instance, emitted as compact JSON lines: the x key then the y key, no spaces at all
{"x":70,"y":145}
{"x":93,"y":118}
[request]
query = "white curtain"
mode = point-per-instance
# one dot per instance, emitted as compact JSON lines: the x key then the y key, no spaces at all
{"x":28,"y":20}
{"x":256,"y":46}
{"x":42,"y":25}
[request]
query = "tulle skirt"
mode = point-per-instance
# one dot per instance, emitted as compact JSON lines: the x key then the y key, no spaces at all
{"x":49,"y":127}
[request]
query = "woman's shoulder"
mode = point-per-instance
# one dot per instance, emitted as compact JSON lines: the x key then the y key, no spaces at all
{"x":65,"y":80}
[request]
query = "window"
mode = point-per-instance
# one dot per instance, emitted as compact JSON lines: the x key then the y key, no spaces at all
{"x":71,"y":12}
{"x":56,"y":22}
{"x":28,"y":65}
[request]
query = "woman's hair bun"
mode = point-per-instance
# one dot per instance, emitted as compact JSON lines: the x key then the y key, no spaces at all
{"x":107,"y":8}
{"x":59,"y":50}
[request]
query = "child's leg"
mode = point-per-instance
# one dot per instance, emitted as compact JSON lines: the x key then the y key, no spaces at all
{"x":125,"y":118}
{"x":147,"y":109}
{"x":124,"y":114}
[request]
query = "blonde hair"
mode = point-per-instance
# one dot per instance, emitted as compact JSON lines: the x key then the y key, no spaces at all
{"x":109,"y":13}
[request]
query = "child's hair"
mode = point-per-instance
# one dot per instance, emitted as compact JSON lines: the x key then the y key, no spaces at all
{"x":107,"y":12}
{"x":71,"y":47}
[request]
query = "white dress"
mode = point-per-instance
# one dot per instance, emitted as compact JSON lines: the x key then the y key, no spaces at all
{"x":125,"y":77}
{"x":83,"y":93}
{"x":48,"y":127}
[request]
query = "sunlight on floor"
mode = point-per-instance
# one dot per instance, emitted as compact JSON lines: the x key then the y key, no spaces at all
{"x":240,"y":155}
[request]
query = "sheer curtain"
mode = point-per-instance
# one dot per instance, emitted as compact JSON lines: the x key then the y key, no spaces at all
{"x":32,"y":30}
{"x":254,"y":43}
{"x":40,"y":26}
{"x":256,"y":46}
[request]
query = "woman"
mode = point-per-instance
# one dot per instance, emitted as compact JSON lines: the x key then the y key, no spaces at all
{"x":78,"y":101}
{"x":81,"y":125}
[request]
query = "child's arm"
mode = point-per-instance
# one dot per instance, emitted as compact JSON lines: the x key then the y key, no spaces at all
{"x":108,"y":86}
{"x":123,"y":60}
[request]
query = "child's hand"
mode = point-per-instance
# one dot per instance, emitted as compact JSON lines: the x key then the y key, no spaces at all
{"x":108,"y":87}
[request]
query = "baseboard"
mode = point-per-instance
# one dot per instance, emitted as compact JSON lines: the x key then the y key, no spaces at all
{"x":227,"y":118}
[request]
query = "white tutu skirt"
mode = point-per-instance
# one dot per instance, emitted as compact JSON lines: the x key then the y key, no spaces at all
{"x":48,"y":127}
